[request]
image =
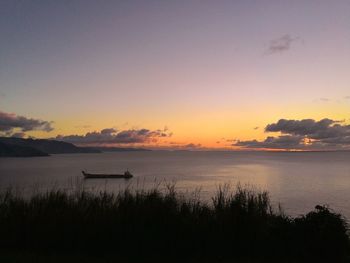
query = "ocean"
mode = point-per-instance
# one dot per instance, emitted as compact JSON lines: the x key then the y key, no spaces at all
{"x":296,"y":180}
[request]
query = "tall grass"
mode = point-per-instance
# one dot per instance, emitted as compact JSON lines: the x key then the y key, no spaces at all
{"x":239,"y":224}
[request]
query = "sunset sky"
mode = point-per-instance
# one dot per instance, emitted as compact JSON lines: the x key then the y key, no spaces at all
{"x":177,"y":74}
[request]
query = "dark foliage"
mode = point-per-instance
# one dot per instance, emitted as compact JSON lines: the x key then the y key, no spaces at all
{"x":9,"y":150}
{"x":324,"y":235}
{"x":17,"y":147}
{"x":152,"y":225}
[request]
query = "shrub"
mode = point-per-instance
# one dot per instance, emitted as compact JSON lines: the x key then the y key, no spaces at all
{"x":152,"y":224}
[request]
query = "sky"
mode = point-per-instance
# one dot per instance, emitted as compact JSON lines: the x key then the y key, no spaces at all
{"x":177,"y":74}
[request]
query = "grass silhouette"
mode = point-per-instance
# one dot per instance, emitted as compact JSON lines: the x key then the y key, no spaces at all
{"x":152,"y":225}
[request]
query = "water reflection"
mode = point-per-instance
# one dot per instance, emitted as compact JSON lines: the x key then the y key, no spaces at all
{"x":297,"y":180}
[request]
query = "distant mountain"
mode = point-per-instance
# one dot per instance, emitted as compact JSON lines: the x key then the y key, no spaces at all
{"x":119,"y":149}
{"x":8,"y":150}
{"x":36,"y":146}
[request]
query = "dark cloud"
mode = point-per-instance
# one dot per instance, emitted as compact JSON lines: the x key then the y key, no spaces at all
{"x":10,"y":122}
{"x":304,"y":134}
{"x":18,"y":135}
{"x":178,"y":146}
{"x":280,"y":142}
{"x":280,"y":44}
{"x":325,"y":128}
{"x":112,"y":136}
{"x":108,"y":131}
{"x":192,"y":146}
{"x":256,"y":128}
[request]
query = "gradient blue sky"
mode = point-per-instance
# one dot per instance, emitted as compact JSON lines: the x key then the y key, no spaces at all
{"x":205,"y":69}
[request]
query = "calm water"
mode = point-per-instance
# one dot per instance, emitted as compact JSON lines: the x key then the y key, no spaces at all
{"x":298,"y":181}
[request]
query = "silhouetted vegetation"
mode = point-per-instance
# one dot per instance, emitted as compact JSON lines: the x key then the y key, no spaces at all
{"x":8,"y":150}
{"x":20,"y":147}
{"x":237,"y":226}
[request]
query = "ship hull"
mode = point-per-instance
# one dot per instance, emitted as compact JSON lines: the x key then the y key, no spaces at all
{"x":101,"y":176}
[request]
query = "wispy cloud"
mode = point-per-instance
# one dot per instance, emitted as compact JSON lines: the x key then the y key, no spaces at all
{"x":178,"y":146}
{"x":281,"y":44}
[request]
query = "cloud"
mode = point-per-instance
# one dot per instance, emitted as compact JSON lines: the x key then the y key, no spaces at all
{"x":281,"y":44}
{"x":18,"y":135}
{"x":347,"y":97}
{"x":325,"y":128}
{"x":256,"y":128}
{"x":113,"y":136}
{"x":177,"y":146}
{"x":10,"y":122}
{"x":280,"y":142}
{"x":192,"y":146}
{"x":325,"y":99}
{"x":108,"y":131}
{"x":306,"y":134}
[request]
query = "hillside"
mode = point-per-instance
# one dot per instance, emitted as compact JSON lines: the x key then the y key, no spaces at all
{"x":38,"y":147}
{"x":8,"y":150}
